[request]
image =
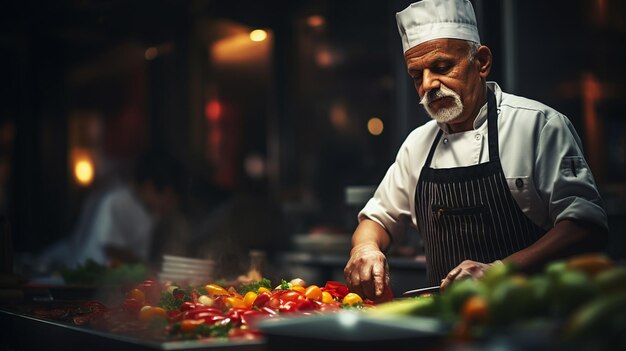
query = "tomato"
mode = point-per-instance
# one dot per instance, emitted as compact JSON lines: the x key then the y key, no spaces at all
{"x":236,"y":311}
{"x":187,"y":305}
{"x":248,"y":300}
{"x":151,"y":290}
{"x":132,"y":306}
{"x":236,"y":315}
{"x":189,"y":325}
{"x":193,"y":314}
{"x":214,"y":290}
{"x":289,"y":306}
{"x":270,"y":312}
{"x":263,"y":289}
{"x":476,"y":309}
{"x":274,"y":303}
{"x":291,"y":295}
{"x":313,"y":292}
{"x":297,"y":288}
{"x":148,"y":313}
{"x":215,"y":319}
{"x":261,"y":300}
{"x":327,"y":297}
{"x":209,"y":317}
{"x":306,"y":305}
{"x":351,"y":299}
{"x":137,"y":295}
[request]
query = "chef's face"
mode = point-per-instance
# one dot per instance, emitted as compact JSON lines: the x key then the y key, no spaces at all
{"x":450,"y":83}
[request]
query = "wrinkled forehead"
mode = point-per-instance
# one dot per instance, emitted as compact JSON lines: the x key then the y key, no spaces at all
{"x":437,"y":48}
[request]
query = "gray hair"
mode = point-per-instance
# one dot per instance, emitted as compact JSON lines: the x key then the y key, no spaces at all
{"x":472,"y":50}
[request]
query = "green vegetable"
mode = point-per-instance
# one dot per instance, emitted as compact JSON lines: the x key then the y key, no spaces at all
{"x":86,"y":273}
{"x":414,"y":306}
{"x":216,"y":330}
{"x":93,"y":273}
{"x":168,"y":302}
{"x":284,"y":285}
{"x":603,"y":318}
{"x":254,"y":286}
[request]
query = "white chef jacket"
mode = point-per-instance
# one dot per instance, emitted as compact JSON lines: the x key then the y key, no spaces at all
{"x":541,"y":156}
{"x":121,"y":221}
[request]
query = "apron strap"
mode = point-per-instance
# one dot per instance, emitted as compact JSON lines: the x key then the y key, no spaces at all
{"x":492,"y":126}
{"x":433,"y":146}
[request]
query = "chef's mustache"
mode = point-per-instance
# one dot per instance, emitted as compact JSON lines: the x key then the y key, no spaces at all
{"x":438,"y":93}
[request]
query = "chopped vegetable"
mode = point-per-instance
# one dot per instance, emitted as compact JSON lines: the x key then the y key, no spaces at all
{"x":255,"y":286}
{"x":284,"y":285}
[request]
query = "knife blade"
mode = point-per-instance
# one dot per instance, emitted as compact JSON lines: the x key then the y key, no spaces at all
{"x":421,"y":291}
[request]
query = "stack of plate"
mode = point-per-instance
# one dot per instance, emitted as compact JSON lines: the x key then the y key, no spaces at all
{"x":321,"y":243}
{"x":185,"y":270}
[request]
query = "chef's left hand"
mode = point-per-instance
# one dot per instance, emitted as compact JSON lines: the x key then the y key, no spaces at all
{"x":467,"y":268}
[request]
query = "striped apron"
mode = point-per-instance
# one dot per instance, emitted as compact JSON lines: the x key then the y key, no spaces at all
{"x":468,"y":213}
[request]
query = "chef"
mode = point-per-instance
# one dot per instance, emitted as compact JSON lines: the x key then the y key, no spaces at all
{"x":492,"y":178}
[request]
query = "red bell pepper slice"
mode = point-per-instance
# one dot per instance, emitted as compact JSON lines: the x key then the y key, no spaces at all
{"x":261,"y":300}
{"x":132,"y":306}
{"x":186,"y":306}
{"x":336,"y":289}
{"x":386,"y":296}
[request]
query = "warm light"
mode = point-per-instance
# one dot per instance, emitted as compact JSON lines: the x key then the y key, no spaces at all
{"x":258,"y":35}
{"x":83,"y":171}
{"x":151,"y":53}
{"x":213,"y":110}
{"x":237,"y":49}
{"x":375,"y":126}
{"x":338,"y":115}
{"x":315,"y":21}
{"x":324,"y":58}
{"x":254,"y":166}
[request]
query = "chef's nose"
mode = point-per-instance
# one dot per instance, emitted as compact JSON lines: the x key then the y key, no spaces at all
{"x":430,"y":81}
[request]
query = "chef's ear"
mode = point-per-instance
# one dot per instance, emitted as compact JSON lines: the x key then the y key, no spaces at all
{"x":483,"y":60}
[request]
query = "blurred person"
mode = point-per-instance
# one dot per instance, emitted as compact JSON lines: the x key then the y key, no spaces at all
{"x":245,"y":219}
{"x":493,"y":177}
{"x":121,"y":224}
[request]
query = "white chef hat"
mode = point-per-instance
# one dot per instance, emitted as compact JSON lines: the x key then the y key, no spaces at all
{"x":434,"y":19}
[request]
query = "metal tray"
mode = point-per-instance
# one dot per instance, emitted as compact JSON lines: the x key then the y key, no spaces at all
{"x":20,"y":332}
{"x":354,"y":331}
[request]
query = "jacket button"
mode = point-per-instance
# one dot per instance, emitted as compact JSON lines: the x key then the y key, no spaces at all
{"x":519,"y":182}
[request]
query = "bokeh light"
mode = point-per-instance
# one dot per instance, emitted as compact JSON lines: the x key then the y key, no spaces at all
{"x":258,"y":35}
{"x":84,"y":171}
{"x":375,"y":126}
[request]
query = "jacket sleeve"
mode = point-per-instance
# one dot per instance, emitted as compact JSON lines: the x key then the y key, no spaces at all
{"x":564,"y":181}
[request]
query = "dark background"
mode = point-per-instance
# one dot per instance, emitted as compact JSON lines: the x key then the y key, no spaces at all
{"x":298,"y":104}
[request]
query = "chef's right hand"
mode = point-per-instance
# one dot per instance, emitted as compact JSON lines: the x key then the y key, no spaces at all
{"x":367,"y":271}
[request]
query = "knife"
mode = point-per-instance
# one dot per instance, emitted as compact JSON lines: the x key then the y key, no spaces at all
{"x":429,"y":289}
